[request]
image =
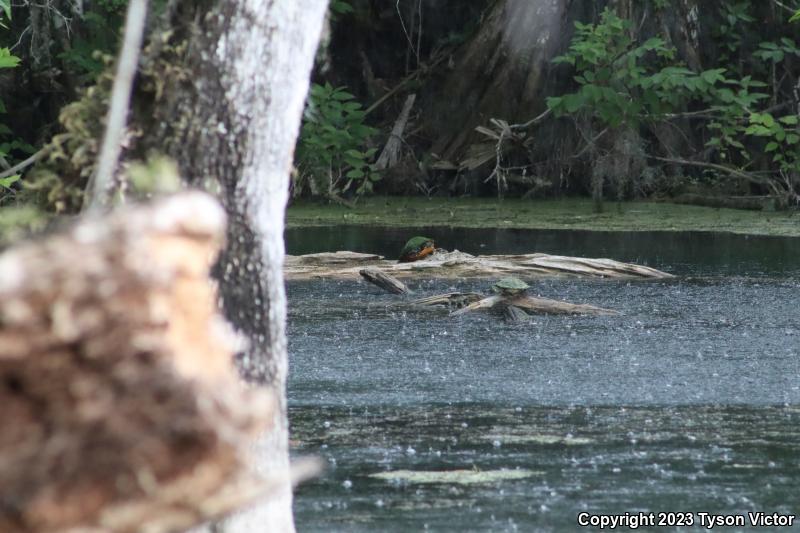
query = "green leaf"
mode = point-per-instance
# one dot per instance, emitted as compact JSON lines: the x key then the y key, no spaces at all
{"x":9,"y":181}
{"x":789,"y":120}
{"x":7,"y":59}
{"x":355,"y":174}
{"x":572,"y":102}
{"x":342,"y":95}
{"x":771,"y":147}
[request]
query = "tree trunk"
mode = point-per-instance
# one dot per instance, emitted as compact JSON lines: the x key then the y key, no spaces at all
{"x":234,"y":76}
{"x":506,"y":72}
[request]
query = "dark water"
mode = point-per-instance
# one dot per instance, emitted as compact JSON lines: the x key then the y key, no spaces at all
{"x":680,"y":253}
{"x":689,"y":401}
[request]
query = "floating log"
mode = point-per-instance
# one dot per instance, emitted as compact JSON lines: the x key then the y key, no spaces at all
{"x":453,"y":265}
{"x":121,"y":410}
{"x":384,"y":281}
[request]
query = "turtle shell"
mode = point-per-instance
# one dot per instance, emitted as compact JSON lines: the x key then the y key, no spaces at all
{"x":416,"y":248}
{"x":510,"y":286}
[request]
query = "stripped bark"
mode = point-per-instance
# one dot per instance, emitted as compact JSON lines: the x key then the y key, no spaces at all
{"x":121,"y":409}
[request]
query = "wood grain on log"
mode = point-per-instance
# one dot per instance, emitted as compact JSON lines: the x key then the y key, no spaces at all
{"x":120,"y":408}
{"x":453,"y":265}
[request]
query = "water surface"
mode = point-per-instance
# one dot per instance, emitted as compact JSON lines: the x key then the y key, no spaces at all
{"x":685,"y":402}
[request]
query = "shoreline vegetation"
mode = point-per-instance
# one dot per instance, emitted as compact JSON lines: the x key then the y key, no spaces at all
{"x":569,"y":213}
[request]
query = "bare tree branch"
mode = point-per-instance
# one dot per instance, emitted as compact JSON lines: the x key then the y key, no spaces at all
{"x":100,"y":185}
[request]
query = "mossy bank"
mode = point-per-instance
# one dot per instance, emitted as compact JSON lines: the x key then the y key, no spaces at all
{"x":575,"y":214}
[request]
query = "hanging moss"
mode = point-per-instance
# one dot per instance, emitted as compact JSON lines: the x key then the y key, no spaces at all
{"x":57,"y":182}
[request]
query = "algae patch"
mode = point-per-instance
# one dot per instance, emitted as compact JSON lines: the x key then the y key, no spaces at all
{"x":539,"y":439}
{"x":565,"y":213}
{"x":454,"y":477}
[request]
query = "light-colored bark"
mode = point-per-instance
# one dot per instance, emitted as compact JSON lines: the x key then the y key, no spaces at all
{"x":453,"y":265}
{"x":237,"y":120}
{"x":101,"y":183}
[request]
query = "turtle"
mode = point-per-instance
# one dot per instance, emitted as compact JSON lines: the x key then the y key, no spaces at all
{"x":510,"y":286}
{"x":416,"y":248}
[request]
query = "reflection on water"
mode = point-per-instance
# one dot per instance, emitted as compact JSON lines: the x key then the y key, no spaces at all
{"x":680,"y":253}
{"x":685,"y":402}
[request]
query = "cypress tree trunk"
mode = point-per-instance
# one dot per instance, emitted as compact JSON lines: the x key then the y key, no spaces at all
{"x":505,"y":71}
{"x":227,"y":84}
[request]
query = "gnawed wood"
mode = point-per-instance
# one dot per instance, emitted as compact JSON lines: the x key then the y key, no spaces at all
{"x":452,"y":265}
{"x":121,"y":410}
{"x":384,"y":281}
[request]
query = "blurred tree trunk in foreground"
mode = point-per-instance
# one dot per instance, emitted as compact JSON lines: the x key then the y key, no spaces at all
{"x":120,"y":407}
{"x":227,"y":85}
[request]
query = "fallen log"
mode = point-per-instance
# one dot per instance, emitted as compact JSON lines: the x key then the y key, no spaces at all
{"x":384,"y":281}
{"x":453,"y":265}
{"x":120,"y":409}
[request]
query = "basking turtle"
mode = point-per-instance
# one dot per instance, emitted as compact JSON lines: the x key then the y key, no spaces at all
{"x":510,"y":286}
{"x":416,"y":248}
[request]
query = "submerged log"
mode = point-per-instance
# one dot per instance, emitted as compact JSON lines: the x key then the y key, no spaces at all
{"x":470,"y":302}
{"x":121,"y":411}
{"x":535,"y":306}
{"x":452,"y":265}
{"x":384,"y":281}
{"x":451,"y":299}
{"x":514,"y":313}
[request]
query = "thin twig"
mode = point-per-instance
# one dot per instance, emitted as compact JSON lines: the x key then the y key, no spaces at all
{"x":25,"y":164}
{"x":400,"y":86}
{"x":99,"y":188}
{"x":533,"y":121}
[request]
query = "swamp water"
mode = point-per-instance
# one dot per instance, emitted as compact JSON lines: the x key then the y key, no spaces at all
{"x":688,"y":402}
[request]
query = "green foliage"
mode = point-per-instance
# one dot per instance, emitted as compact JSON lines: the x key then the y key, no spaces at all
{"x":332,"y":148}
{"x":622,"y":82}
{"x":730,"y":32}
{"x":623,"y":85}
{"x":781,"y":136}
{"x":616,"y":84}
{"x":340,"y":7}
{"x":776,"y":52}
{"x":99,"y":36}
{"x":5,"y":12}
{"x":9,"y":144}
